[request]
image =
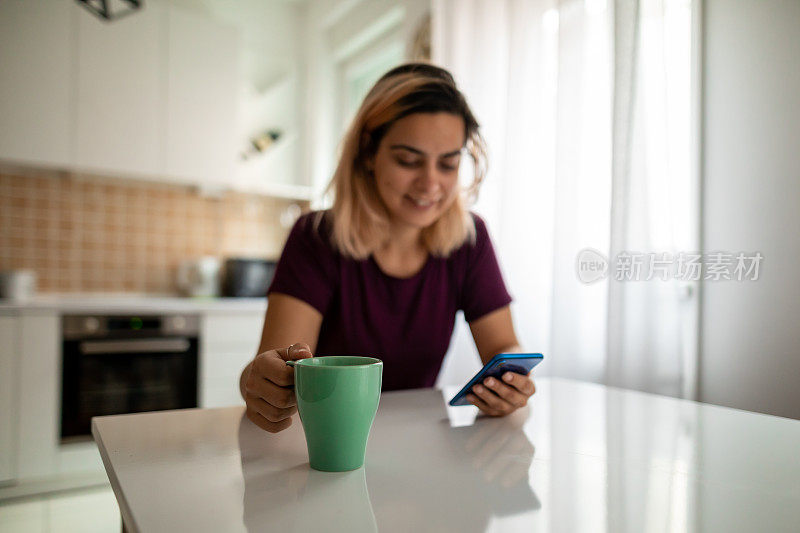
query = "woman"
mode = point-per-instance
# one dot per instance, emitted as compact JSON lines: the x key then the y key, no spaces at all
{"x":384,"y":271}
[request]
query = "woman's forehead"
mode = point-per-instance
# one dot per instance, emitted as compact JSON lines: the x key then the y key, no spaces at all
{"x":431,"y":133}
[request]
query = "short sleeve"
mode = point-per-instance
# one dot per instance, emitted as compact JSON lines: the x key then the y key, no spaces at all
{"x":483,"y":290}
{"x":307,"y":267}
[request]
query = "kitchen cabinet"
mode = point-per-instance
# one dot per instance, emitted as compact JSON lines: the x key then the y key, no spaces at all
{"x":40,"y":452}
{"x":8,"y":397}
{"x":151,"y":95}
{"x":228,"y":341}
{"x":157,"y":96}
{"x":35,"y":84}
{"x":119,"y":75}
{"x":30,"y":378}
{"x":201,"y":99}
{"x":39,"y":387}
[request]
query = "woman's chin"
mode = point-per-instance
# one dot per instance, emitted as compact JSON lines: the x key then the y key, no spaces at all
{"x":421,"y":220}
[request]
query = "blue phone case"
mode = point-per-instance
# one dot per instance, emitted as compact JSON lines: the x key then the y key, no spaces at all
{"x":521,"y":363}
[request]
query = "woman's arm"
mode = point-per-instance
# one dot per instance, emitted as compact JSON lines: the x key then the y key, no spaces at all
{"x":288,"y":321}
{"x":291,"y":330}
{"x":494,"y":334}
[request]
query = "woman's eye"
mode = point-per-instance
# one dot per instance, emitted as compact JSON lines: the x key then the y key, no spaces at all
{"x":415,"y":163}
{"x":448,"y":166}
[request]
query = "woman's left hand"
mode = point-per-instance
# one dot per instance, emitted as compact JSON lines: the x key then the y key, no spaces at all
{"x":500,"y":398}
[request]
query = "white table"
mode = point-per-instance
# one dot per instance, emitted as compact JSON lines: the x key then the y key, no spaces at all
{"x":580,"y":457}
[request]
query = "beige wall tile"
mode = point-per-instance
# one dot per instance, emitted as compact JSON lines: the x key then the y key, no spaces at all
{"x":85,"y":233}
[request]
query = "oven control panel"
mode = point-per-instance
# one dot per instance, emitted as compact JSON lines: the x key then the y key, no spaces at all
{"x":98,"y":326}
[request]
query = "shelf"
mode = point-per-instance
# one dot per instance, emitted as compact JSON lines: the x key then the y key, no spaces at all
{"x":274,"y":150}
{"x":287,"y":191}
{"x":267,"y":172}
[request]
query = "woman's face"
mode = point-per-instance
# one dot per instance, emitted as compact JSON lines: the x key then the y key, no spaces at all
{"x":416,"y":167}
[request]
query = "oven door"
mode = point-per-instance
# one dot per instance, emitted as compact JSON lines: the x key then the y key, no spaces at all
{"x":110,"y":377}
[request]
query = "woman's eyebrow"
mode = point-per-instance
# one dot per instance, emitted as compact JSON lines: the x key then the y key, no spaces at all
{"x":420,"y":152}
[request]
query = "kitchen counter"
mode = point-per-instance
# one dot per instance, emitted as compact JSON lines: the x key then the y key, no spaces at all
{"x":132,"y":303}
{"x":580,"y":457}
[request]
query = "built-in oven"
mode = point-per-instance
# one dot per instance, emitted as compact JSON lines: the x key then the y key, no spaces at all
{"x":126,"y":364}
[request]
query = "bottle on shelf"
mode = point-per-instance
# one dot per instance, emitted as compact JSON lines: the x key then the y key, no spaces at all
{"x":261,"y":142}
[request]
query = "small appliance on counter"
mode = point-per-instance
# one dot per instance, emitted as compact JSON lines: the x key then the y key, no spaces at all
{"x":247,"y":278}
{"x":199,"y":277}
{"x":17,"y":285}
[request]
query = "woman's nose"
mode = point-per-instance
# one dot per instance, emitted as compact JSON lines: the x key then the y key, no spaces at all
{"x":428,"y":180}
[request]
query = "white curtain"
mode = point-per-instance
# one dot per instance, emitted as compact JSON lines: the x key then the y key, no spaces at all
{"x":585,"y":106}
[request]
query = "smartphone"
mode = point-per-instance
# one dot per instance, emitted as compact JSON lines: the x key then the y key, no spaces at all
{"x":521,"y":363}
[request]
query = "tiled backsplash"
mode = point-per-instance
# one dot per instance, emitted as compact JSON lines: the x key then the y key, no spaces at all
{"x":88,"y":234}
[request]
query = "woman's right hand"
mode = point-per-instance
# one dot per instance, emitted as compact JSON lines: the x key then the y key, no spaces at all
{"x":269,"y":387}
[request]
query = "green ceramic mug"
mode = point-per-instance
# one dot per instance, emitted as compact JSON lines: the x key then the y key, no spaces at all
{"x":337,"y":398}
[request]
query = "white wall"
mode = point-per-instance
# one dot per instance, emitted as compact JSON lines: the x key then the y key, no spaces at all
{"x":750,"y":347}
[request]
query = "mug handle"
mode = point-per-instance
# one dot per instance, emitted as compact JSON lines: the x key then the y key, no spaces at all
{"x":290,"y":363}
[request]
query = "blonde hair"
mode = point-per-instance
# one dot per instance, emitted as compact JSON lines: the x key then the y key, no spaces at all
{"x":359,"y":219}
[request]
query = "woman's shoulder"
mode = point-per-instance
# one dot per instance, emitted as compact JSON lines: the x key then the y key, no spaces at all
{"x":309,"y":219}
{"x":475,"y":241}
{"x":313,"y":223}
{"x":481,"y":234}
{"x":313,"y":228}
{"x":480,"y":226}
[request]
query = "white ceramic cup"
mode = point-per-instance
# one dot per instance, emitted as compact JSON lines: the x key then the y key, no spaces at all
{"x":17,"y":285}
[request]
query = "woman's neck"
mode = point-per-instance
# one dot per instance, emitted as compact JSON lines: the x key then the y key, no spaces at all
{"x":404,"y":240}
{"x":403,"y":254}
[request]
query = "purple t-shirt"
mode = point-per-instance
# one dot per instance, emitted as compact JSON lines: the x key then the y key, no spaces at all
{"x":405,"y":322}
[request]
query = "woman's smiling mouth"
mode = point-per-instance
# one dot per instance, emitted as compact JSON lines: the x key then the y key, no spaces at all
{"x":422,"y":203}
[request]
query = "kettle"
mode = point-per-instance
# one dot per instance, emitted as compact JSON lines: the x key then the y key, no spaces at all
{"x":199,"y":277}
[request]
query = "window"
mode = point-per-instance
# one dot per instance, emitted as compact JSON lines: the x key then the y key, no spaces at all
{"x":360,"y":72}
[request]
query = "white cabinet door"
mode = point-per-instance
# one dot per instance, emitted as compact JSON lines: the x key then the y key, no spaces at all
{"x":35,"y":63}
{"x":119,"y":69}
{"x":39,"y":389}
{"x":228,"y":341}
{"x":9,"y":358}
{"x":202,"y":91}
{"x":40,"y":452}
